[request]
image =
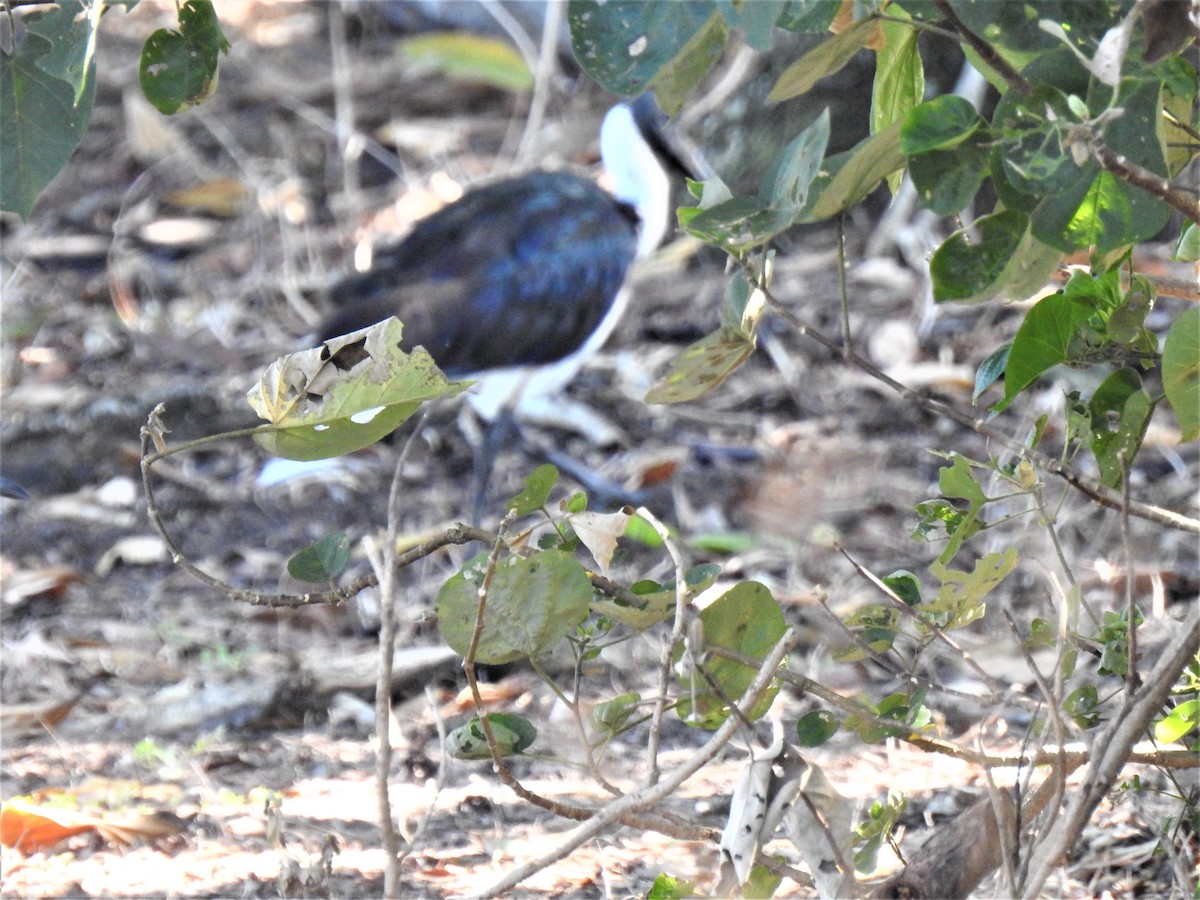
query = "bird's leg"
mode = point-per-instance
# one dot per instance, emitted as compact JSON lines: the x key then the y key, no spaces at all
{"x":497,"y":434}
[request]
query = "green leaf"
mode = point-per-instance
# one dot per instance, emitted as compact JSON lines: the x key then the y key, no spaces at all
{"x":71,"y":31}
{"x":787,"y":184}
{"x":964,"y":270}
{"x":815,"y":728}
{"x":809,"y":16}
{"x":1095,"y":213}
{"x":826,"y":58}
{"x":538,"y":485}
{"x":1187,"y":248}
{"x":1126,"y":323}
{"x":1182,"y":720}
{"x":905,"y":585}
{"x":1082,"y":706}
{"x":1179,"y":95}
{"x":1036,"y":158}
{"x":470,"y":57}
{"x":728,"y":542}
{"x":1042,"y":636}
{"x":629,"y":47}
{"x":947,"y":180}
{"x":643,"y":532}
{"x":1120,"y":411}
{"x":657,"y":601}
{"x":736,"y":224}
{"x":179,"y":69}
{"x":870,"y":835}
{"x":323,"y":561}
{"x":956,"y":481}
{"x":939,"y":124}
{"x":532,"y":604}
{"x":742,"y":305}
{"x":512,"y":733}
{"x":846,"y":178}
{"x":1041,"y":342}
{"x":756,"y":20}
{"x":899,"y":83}
{"x":747,"y":619}
{"x":668,"y":887}
{"x":612,"y":716}
{"x":1181,"y":372}
{"x":990,"y":371}
{"x":740,"y":223}
{"x":760,"y":884}
{"x":960,"y":600}
{"x":346,"y":394}
{"x":689,"y":66}
{"x":875,"y":625}
{"x":1099,"y":210}
{"x":42,"y":117}
{"x":702,"y":367}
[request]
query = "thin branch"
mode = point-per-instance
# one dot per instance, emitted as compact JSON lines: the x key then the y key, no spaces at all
{"x":619,"y":810}
{"x":664,"y":666}
{"x":383,"y":561}
{"x":843,"y":297}
{"x":986,"y":51}
{"x":1132,"y":682}
{"x":1111,"y":161}
{"x":1131,"y":173}
{"x":1076,"y":753}
{"x":1112,"y":750}
{"x":1091,"y":489}
{"x":994,"y":684}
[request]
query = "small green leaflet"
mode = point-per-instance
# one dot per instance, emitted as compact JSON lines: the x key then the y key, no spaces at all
{"x":513,"y":735}
{"x":323,"y":561}
{"x":178,"y":69}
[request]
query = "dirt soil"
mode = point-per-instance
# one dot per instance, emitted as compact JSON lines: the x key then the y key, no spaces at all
{"x":207,"y":747}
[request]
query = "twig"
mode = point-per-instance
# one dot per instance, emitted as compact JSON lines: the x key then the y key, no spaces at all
{"x":1112,"y":750}
{"x":1172,"y":759}
{"x":544,"y":69}
{"x":456,"y":534}
{"x":384,"y":562}
{"x":1131,"y":173}
{"x":498,"y":762}
{"x":1009,"y":832}
{"x":619,"y":810}
{"x":1093,"y":490}
{"x":1131,"y":609}
{"x":349,"y":147}
{"x":668,"y":651}
{"x":986,"y":51}
{"x":1055,"y":784}
{"x":843,"y":297}
{"x":994,"y":684}
{"x":1111,"y":161}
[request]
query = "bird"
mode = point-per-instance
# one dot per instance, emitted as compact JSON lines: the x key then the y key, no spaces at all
{"x":519,"y":281}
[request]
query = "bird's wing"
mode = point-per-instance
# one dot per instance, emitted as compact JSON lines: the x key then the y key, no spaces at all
{"x":519,"y":272}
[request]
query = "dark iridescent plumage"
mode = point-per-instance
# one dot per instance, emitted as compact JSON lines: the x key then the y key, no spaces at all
{"x":517,"y":272}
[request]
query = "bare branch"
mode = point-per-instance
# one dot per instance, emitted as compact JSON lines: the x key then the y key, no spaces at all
{"x":1112,"y":749}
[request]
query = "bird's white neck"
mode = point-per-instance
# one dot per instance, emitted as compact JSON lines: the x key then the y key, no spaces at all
{"x":637,"y":176}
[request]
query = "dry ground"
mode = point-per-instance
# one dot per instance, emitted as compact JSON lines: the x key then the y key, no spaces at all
{"x":233,"y":743}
